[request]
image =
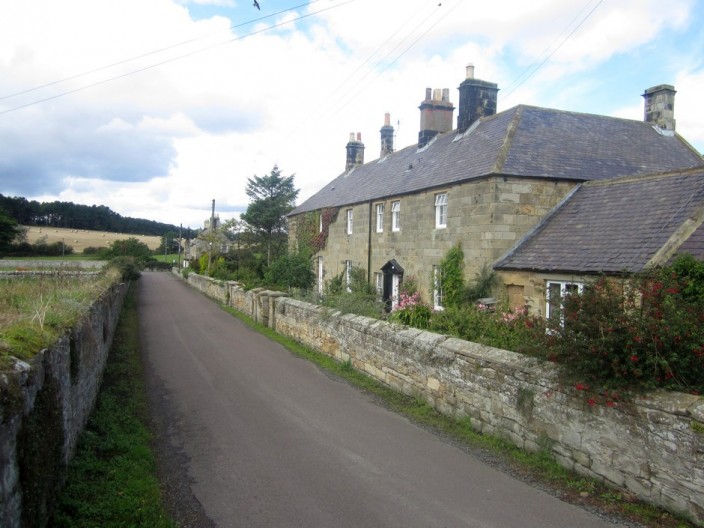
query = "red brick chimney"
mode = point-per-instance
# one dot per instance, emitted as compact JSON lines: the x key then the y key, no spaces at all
{"x":435,"y":115}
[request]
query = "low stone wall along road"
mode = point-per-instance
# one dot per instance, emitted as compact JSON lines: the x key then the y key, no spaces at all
{"x":266,"y":439}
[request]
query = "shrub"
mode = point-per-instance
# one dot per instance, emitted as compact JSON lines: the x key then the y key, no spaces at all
{"x":127,"y":266}
{"x":504,"y":328}
{"x":361,"y":299}
{"x":410,"y":309}
{"x":644,"y":332}
{"x":452,"y":276}
{"x":293,"y":270}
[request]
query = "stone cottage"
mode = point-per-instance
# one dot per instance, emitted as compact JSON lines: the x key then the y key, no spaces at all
{"x":486,"y":184}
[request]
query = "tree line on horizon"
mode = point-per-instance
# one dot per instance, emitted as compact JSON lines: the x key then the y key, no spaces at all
{"x":77,"y":216}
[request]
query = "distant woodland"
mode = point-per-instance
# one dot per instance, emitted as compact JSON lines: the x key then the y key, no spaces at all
{"x":76,"y":216}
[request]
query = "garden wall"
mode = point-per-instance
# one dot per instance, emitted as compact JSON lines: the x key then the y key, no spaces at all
{"x":44,"y":406}
{"x":652,"y":447}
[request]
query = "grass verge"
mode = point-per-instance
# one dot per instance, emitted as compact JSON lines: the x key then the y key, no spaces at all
{"x":112,"y":480}
{"x":539,"y":468}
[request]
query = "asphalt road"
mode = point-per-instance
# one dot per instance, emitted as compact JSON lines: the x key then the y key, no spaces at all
{"x":252,"y":436}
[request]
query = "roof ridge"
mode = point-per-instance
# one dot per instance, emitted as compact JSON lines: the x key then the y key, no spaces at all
{"x":508,"y":140}
{"x":646,"y":177}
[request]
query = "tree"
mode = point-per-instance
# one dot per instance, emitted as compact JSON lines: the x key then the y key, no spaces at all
{"x":130,"y":247}
{"x":272,"y":198}
{"x":8,"y":231}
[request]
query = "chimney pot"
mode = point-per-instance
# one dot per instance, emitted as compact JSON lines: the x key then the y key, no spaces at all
{"x":387,"y":119}
{"x":437,"y":94}
{"x":428,"y":92}
{"x":359,"y":136}
{"x":351,"y":137}
{"x":470,"y":71}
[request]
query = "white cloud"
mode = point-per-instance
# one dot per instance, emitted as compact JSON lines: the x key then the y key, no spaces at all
{"x":220,"y":108}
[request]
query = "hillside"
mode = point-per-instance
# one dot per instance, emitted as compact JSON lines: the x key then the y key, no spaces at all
{"x":79,"y":239}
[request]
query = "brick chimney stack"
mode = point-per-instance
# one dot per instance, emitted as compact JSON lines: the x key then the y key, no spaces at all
{"x":355,"y":152}
{"x":387,"y":136}
{"x":660,"y":106}
{"x":477,"y":99}
{"x":435,"y":115}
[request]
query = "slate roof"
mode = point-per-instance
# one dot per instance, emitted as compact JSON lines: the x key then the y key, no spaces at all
{"x":523,"y":141}
{"x":613,"y":226}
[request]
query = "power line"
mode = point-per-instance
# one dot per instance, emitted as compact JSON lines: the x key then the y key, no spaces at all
{"x":161,"y":63}
{"x":515,"y":84}
{"x":398,"y":57}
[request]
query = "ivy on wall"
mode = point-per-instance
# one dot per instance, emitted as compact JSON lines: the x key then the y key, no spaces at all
{"x":308,"y":232}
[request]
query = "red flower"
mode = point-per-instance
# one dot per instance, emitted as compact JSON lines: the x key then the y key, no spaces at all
{"x":634,"y":358}
{"x":591,"y":402}
{"x":581,"y":386}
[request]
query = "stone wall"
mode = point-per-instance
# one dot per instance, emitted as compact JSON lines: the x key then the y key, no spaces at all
{"x":52,"y":264}
{"x":652,"y":447}
{"x":45,"y":405}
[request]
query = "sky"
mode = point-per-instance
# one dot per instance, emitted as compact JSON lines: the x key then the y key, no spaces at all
{"x":155,"y":108}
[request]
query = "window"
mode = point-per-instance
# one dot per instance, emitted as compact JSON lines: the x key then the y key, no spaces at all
{"x":438,"y":293}
{"x":441,"y":210}
{"x":349,"y":221}
{"x":555,"y":293}
{"x":320,"y":222}
{"x":395,"y":216}
{"x":348,"y":275}
{"x":380,"y":218}
{"x":320,"y":275}
{"x":379,"y":282}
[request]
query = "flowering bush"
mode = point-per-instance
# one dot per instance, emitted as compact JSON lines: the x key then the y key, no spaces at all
{"x":410,"y":309}
{"x":638,"y":333}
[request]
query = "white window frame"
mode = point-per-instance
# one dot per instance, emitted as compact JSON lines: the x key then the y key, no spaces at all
{"x":438,"y":293}
{"x":348,"y":275}
{"x":321,"y":284}
{"x":349,"y":221}
{"x":565,"y":288}
{"x":320,"y":222}
{"x":396,"y":216}
{"x":379,"y":282}
{"x":380,"y":218}
{"x":441,"y":210}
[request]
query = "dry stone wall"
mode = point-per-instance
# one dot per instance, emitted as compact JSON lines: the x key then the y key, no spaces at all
{"x":44,"y":407}
{"x":652,"y":447}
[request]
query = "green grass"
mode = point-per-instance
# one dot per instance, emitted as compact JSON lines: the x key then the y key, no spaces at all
{"x":538,"y":466}
{"x":170,"y":258}
{"x":111,"y":481}
{"x":36,"y":310}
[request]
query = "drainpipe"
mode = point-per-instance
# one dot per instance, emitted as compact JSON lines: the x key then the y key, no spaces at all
{"x":369,"y":247}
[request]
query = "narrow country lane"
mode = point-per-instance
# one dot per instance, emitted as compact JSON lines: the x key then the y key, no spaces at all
{"x":265,"y":439}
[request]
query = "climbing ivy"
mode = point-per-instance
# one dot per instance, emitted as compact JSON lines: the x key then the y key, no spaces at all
{"x":308,"y":232}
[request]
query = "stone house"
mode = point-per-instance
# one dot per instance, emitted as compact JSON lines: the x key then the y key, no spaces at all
{"x":485,"y":185}
{"x":607,"y":227}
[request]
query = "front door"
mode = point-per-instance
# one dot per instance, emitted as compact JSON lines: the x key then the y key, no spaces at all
{"x":393,"y":277}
